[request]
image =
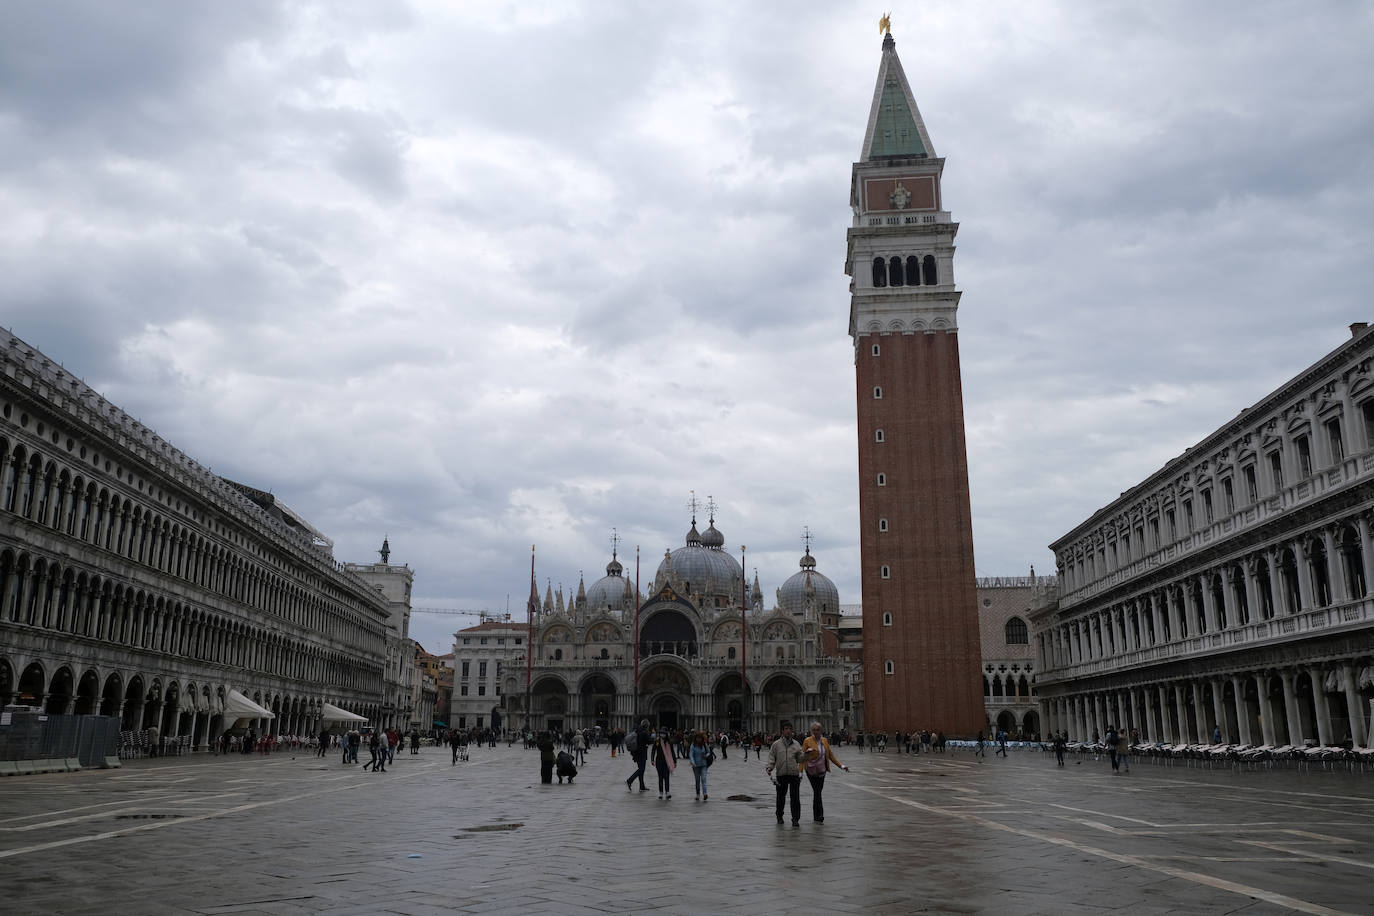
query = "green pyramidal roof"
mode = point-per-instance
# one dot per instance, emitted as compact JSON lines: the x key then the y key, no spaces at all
{"x":894,"y":131}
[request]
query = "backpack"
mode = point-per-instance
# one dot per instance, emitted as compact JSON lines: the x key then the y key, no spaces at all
{"x":632,"y":742}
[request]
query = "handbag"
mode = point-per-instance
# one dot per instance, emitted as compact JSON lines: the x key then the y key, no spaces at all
{"x":710,"y":757}
{"x":817,"y":767}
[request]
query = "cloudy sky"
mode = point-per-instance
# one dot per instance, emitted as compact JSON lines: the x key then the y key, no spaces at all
{"x":477,"y":276}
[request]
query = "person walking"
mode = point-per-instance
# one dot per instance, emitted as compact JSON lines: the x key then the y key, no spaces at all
{"x":665,"y":761}
{"x":454,"y":742}
{"x":784,"y":763}
{"x":1001,"y":742}
{"x":701,"y":757}
{"x":376,"y":745}
{"x":1110,"y":740}
{"x":979,"y":749}
{"x":1123,"y":750}
{"x":579,"y":745}
{"x":1061,"y":744}
{"x":415,"y":741}
{"x":637,"y":743}
{"x":324,"y":743}
{"x":818,"y":755}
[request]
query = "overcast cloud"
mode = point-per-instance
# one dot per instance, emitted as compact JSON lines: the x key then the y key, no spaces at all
{"x":480,"y":276}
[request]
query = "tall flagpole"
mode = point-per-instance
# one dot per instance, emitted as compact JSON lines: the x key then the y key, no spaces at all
{"x":743,"y":641}
{"x":635,"y":712}
{"x":529,"y":643}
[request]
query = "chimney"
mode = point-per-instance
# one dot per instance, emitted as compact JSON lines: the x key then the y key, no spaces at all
{"x":1358,"y":328}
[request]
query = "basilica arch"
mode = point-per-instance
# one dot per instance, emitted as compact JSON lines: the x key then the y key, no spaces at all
{"x":668,"y":631}
{"x":548,"y":703}
{"x":597,"y":694}
{"x":665,"y":691}
{"x":782,"y":698}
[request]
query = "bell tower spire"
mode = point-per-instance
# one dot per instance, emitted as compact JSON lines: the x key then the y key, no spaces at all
{"x":922,"y":655}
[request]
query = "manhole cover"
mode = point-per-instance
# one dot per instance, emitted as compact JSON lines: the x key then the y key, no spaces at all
{"x":492,"y":828}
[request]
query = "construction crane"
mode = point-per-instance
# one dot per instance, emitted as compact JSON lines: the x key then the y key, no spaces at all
{"x":453,"y":612}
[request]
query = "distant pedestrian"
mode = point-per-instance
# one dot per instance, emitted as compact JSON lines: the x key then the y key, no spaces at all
{"x":579,"y":746}
{"x":546,"y":756}
{"x":1061,"y":743}
{"x":818,"y":756}
{"x":376,"y":746}
{"x":700,"y":756}
{"x":1002,"y":741}
{"x":980,"y":748}
{"x":784,"y":764}
{"x":1123,"y":750}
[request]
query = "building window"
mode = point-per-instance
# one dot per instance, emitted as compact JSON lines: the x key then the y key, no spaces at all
{"x":517,"y":640}
{"x":1304,"y":449}
{"x":479,"y":721}
{"x":467,"y":640}
{"x":929,"y":265}
{"x":877,"y":393}
{"x":888,"y":667}
{"x":1188,"y":514}
{"x":482,"y":641}
{"x":1207,"y":506}
{"x":882,"y":479}
{"x":1017,"y":633}
{"x":1367,"y":412}
{"x":878,"y":436}
{"x":463,"y":691}
{"x":1171,"y":525}
{"x":887,"y":618}
{"x":500,"y":640}
{"x":913,"y":271}
{"x":462,"y":721}
{"x":879,"y":272}
{"x":1276,"y":469}
{"x":481,"y":669}
{"x":496,"y":689}
{"x":882,"y":524}
{"x":886,"y":572}
{"x":481,"y":690}
{"x":1333,"y":439}
{"x":730,"y":652}
{"x":1251,"y":487}
{"x":876,"y":351}
{"x":894,"y":271}
{"x":558,"y":655}
{"x":1228,"y":496}
{"x":465,"y":668}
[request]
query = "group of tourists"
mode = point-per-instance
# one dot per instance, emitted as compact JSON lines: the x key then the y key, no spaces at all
{"x":381,"y":745}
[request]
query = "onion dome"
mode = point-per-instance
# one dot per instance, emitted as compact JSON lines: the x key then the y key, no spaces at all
{"x":808,"y":586}
{"x":709,"y":571}
{"x":612,"y":591}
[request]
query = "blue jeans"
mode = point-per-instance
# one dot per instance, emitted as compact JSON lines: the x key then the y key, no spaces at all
{"x":699,"y":778}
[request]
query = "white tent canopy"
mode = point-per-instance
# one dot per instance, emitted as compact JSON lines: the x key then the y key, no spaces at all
{"x":237,"y":706}
{"x":331,"y":713}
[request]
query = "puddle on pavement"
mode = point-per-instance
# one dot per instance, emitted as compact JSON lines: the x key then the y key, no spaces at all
{"x":144,"y":817}
{"x":739,"y":798}
{"x":491,"y":828}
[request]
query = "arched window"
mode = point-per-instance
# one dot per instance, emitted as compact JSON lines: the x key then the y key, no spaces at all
{"x":996,"y":685}
{"x":730,"y":652}
{"x":1017,"y":634}
{"x":888,"y":667}
{"x":558,"y":655}
{"x":882,"y":480}
{"x":882,"y":524}
{"x":879,"y":272}
{"x":878,"y":436}
{"x":987,"y":688}
{"x":894,"y":271}
{"x":929,"y":264}
{"x":913,"y":271}
{"x":887,"y":618}
{"x":886,"y":572}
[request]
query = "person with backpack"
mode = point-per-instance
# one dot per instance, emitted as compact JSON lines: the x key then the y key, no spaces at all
{"x":701,"y":757}
{"x":637,"y":746}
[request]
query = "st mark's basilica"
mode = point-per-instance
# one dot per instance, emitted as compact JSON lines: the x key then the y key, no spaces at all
{"x":711,"y":653}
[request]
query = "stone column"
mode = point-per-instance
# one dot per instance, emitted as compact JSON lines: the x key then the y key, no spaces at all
{"x":1266,"y":710}
{"x":1242,"y":710}
{"x":1339,"y":592}
{"x":1290,"y":708}
{"x":1209,"y":614}
{"x":1182,"y":710}
{"x":1276,"y":583}
{"x":1366,"y":551}
{"x":1323,"y":708}
{"x":1306,"y":599}
{"x":1151,"y":729}
{"x":1251,"y":585}
{"x":1353,"y":706}
{"x":1219,"y":708}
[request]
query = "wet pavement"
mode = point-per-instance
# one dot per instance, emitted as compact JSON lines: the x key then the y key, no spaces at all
{"x":929,"y":834}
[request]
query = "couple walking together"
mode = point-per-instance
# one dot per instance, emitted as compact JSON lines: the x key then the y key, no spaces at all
{"x":639,"y":743}
{"x":788,"y":759}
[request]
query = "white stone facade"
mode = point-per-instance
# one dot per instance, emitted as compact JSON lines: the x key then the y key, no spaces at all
{"x":136,"y":583}
{"x":1230,"y":591}
{"x":484,"y":657}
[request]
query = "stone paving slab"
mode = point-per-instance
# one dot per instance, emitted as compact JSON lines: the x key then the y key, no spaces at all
{"x":932,"y":834}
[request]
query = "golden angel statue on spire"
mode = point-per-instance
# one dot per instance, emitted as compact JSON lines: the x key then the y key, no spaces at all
{"x":885,"y":24}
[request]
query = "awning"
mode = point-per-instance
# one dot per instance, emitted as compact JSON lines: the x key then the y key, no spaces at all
{"x":331,"y":713}
{"x":237,"y":706}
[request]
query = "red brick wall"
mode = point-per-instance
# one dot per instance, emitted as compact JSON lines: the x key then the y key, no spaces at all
{"x":933,"y":640}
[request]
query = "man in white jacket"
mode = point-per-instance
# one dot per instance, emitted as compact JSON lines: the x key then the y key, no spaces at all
{"x":784,"y":760}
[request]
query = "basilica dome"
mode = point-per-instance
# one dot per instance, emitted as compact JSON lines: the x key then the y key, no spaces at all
{"x":701,"y":567}
{"x":808,"y":585}
{"x":612,"y":591}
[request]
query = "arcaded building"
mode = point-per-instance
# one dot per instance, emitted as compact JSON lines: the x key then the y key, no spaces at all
{"x":136,"y":583}
{"x":1229,"y":591}
{"x":920,"y":618}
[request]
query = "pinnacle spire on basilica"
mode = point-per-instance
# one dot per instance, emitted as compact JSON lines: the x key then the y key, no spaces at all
{"x":895,"y":129}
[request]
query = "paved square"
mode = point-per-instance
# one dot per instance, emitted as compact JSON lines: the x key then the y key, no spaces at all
{"x":934,"y":834}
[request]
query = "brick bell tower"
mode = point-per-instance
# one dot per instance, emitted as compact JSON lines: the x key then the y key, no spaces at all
{"x":921,"y":652}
